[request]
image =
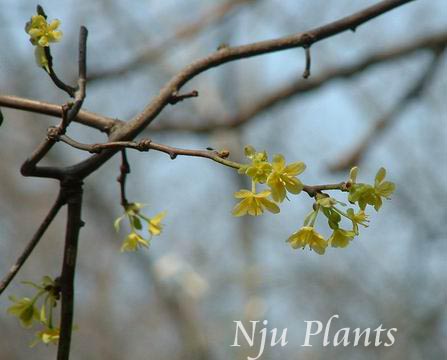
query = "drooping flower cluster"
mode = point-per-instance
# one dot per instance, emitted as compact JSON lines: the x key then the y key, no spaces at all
{"x":282,"y":179}
{"x":134,"y":240}
{"x":28,"y":312}
{"x":41,"y":35}
{"x":362,"y":194}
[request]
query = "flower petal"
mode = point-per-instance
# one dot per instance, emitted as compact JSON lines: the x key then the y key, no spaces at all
{"x":241,"y":208}
{"x":295,"y":168}
{"x":270,"y":206}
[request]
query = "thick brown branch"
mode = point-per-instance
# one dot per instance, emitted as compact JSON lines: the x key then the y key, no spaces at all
{"x":73,"y":189}
{"x":87,"y":118}
{"x":298,"y":87}
{"x":225,"y":55}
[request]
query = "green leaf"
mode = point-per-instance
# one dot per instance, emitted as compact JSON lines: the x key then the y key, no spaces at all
{"x":333,"y":225}
{"x":136,"y":222}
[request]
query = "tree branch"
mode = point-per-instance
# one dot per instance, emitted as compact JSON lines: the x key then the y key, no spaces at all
{"x":217,"y":156}
{"x":432,"y":43}
{"x":132,"y":128}
{"x":124,"y":170}
{"x":73,"y":190}
{"x":99,"y":122}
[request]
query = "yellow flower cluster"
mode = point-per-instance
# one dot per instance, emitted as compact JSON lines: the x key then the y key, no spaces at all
{"x":41,"y":35}
{"x":134,"y":240}
{"x":282,"y":179}
{"x":363,"y":194}
{"x":278,"y":176}
{"x":27,"y":311}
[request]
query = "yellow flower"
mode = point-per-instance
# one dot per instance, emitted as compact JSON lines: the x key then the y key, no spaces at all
{"x":260,"y":168}
{"x":25,"y":310}
{"x":308,"y":236}
{"x":155,"y":225}
{"x":41,"y":33}
{"x":357,"y":219}
{"x":133,"y":241}
{"x":366,"y":194}
{"x":341,"y":238}
{"x":283,"y":177}
{"x":253,"y":203}
{"x":47,"y":336}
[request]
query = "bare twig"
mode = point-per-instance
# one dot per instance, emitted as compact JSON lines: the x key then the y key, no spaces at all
{"x":146,"y":145}
{"x":217,"y":156}
{"x":124,"y":170}
{"x":132,"y":128}
{"x":358,"y":152}
{"x":175,"y":97}
{"x":60,"y":201}
{"x":298,"y":87}
{"x":105,"y":124}
{"x":306,"y":72}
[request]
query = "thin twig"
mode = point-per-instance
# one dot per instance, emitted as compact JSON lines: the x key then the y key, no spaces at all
{"x":175,"y":97}
{"x":298,"y":87}
{"x":135,"y":126}
{"x":146,"y":145}
{"x":124,"y":170}
{"x":60,"y":201}
{"x":217,"y":156}
{"x":306,"y":72}
{"x":105,"y":124}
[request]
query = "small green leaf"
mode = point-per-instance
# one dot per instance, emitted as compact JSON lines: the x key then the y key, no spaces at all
{"x":333,"y":225}
{"x":136,"y":222}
